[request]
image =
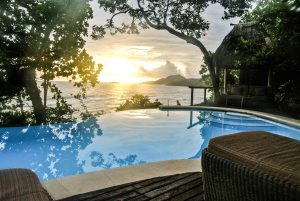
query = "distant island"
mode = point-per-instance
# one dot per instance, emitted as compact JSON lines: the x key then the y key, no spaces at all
{"x":177,"y":80}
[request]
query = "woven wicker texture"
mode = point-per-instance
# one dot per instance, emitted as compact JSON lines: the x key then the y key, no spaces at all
{"x":21,"y":185}
{"x":274,"y":154}
{"x":251,"y":166}
{"x":228,"y":181}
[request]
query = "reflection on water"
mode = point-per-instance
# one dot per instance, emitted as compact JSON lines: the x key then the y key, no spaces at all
{"x":213,"y":124}
{"x":98,"y":160}
{"x":52,"y":150}
{"x":121,"y":139}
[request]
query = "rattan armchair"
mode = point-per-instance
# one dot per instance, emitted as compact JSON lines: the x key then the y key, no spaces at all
{"x":252,"y":166}
{"x":21,"y":185}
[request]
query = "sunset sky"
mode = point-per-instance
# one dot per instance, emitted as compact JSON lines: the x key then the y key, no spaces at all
{"x":152,"y":54}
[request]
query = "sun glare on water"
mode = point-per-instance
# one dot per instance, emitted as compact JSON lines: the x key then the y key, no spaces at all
{"x":123,"y":79}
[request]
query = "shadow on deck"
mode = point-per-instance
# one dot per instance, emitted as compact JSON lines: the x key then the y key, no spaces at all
{"x":179,"y":187}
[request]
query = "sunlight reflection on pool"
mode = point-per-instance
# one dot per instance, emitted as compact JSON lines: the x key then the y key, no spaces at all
{"x":121,"y":139}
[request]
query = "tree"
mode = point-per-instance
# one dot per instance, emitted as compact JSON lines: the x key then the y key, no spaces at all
{"x":43,"y":38}
{"x":281,"y":19}
{"x":181,"y":18}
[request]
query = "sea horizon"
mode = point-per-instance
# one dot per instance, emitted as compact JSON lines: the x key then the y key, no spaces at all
{"x":107,"y":96}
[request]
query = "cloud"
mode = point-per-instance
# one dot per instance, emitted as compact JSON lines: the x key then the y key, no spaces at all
{"x":164,"y":70}
{"x":157,"y":46}
{"x":142,"y":69}
{"x":192,"y":72}
{"x":218,"y":28}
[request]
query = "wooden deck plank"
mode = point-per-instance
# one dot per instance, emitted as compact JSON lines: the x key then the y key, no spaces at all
{"x":158,"y":185}
{"x":190,"y":194}
{"x":166,"y":181}
{"x":173,"y":185}
{"x":146,"y":185}
{"x":147,"y":182}
{"x":91,"y":195}
{"x":199,"y":197}
{"x":124,"y":196}
{"x":177,"y":191}
{"x":179,"y":187}
{"x":117,"y":193}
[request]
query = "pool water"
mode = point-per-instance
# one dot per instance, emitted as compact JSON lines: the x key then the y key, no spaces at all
{"x":122,"y":139}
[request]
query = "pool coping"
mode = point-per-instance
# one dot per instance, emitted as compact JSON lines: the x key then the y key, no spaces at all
{"x":79,"y":184}
{"x":276,"y":118}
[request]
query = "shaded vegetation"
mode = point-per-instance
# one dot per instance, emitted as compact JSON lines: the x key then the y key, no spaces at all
{"x":281,"y":20}
{"x":138,"y":101}
{"x":43,"y":40}
{"x":276,"y":50}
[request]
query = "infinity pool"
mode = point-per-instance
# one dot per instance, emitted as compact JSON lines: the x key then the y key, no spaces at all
{"x":121,"y":139}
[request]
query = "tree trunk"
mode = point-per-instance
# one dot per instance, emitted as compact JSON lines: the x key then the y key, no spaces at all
{"x":215,"y":82}
{"x":45,"y":92}
{"x":215,"y":78}
{"x":21,"y":104}
{"x":214,"y":75}
{"x":34,"y":94}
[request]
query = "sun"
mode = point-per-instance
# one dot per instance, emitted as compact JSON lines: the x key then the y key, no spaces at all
{"x":120,"y":70}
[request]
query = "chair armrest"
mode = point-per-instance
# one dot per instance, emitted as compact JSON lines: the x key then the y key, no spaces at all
{"x":21,"y":185}
{"x":252,"y":166}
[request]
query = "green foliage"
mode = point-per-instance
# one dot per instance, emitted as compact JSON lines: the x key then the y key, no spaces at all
{"x":11,"y":118}
{"x":138,"y":101}
{"x":184,"y":16}
{"x":204,"y":72}
{"x":288,"y":99}
{"x":62,"y":111}
{"x":12,"y":111}
{"x":205,"y":78}
{"x":184,"y":19}
{"x":281,"y":19}
{"x":45,"y":37}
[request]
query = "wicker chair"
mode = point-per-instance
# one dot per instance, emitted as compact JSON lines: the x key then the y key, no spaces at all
{"x":252,"y":166}
{"x":21,"y":185}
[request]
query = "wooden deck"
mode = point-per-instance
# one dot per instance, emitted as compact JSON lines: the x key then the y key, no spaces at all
{"x":180,"y":187}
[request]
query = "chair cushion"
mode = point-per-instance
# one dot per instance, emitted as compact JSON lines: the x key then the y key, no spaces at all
{"x":273,"y":154}
{"x":20,"y":185}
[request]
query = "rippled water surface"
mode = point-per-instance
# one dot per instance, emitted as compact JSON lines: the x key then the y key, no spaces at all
{"x":121,"y":139}
{"x":108,"y":96}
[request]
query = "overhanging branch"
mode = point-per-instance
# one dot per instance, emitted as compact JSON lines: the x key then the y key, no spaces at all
{"x":114,"y":15}
{"x":188,"y":39}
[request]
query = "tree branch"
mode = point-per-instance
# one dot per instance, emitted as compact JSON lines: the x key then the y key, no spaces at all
{"x":188,"y":39}
{"x":152,"y":25}
{"x":166,"y":12}
{"x":114,"y":15}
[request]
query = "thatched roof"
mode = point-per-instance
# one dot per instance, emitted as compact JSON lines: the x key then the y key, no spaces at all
{"x":226,"y":54}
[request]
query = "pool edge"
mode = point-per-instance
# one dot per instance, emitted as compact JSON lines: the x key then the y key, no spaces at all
{"x":276,"y":118}
{"x":79,"y":184}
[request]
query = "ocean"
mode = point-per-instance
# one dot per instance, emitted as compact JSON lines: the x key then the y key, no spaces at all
{"x":106,"y":97}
